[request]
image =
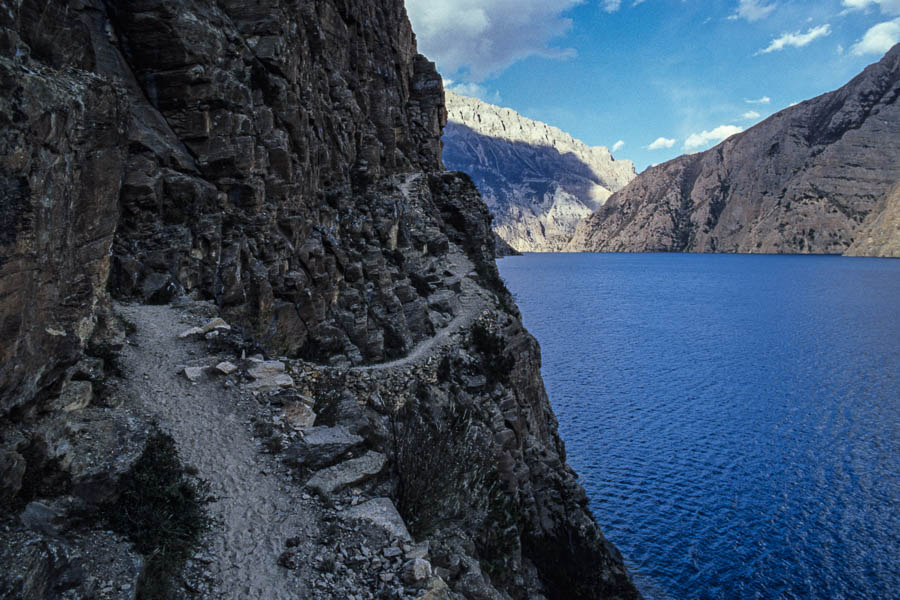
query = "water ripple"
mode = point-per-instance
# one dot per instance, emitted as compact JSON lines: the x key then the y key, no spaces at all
{"x":735,"y":419}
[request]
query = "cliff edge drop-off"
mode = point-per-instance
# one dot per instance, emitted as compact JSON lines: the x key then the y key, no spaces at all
{"x":236,"y":281}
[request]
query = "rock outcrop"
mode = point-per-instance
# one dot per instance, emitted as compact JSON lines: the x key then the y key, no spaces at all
{"x":803,"y":181}
{"x":61,"y":166}
{"x":880,"y":234}
{"x":538,"y":181}
{"x":277,"y":168}
{"x":502,"y":248}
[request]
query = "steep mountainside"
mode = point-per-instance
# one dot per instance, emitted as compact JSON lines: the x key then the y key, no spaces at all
{"x":538,"y":181}
{"x":275,"y":165}
{"x":880,"y":234}
{"x":802,"y":181}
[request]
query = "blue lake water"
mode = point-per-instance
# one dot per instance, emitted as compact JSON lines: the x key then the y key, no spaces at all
{"x":734,"y":419}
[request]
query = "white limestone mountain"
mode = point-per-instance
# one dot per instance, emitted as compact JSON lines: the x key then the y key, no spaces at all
{"x":538,"y":181}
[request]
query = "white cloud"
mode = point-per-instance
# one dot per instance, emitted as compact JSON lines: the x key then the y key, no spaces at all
{"x":753,"y":10}
{"x":763,"y":100}
{"x":750,"y":115}
{"x":797,"y":39}
{"x":879,"y":39}
{"x":661,"y":143}
{"x":611,"y":5}
{"x":474,"y":90}
{"x":618,"y":146}
{"x":475,"y":39}
{"x":698,"y":140}
{"x":889,"y":7}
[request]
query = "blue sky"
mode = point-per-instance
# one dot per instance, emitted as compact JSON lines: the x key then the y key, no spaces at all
{"x":652,"y":79}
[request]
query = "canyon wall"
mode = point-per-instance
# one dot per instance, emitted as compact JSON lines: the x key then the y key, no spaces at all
{"x":281,"y":162}
{"x":805,"y":180}
{"x":538,"y":181}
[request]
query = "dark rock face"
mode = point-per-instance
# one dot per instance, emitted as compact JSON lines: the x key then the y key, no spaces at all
{"x":262,"y":191}
{"x":244,"y":161}
{"x":284,"y":161}
{"x":803,"y":181}
{"x":504,"y":249}
{"x":61,"y":167}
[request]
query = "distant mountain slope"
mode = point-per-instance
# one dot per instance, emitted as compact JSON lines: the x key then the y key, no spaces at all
{"x":538,"y":181}
{"x":880,"y":234}
{"x":802,"y":181}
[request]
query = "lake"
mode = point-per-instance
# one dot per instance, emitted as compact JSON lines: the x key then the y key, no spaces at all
{"x":735,"y":419}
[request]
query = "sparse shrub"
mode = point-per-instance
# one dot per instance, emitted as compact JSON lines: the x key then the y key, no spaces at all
{"x":498,"y":540}
{"x":161,"y":511}
{"x":442,"y":465}
{"x":447,"y":474}
{"x":497,"y":362}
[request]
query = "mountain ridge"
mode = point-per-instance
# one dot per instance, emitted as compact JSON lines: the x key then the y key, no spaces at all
{"x":802,"y":181}
{"x":537,"y":180}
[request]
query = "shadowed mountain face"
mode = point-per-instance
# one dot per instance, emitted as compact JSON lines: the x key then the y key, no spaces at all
{"x":537,"y":181}
{"x":278,"y":164}
{"x":803,"y":181}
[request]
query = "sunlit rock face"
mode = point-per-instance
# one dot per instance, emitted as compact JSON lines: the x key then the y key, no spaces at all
{"x":805,"y":180}
{"x":537,"y":180}
{"x":880,"y":234}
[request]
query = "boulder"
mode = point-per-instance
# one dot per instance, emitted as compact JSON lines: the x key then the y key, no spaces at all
{"x":347,"y":473}
{"x":416,"y":571}
{"x":264,"y":369}
{"x":217,"y":324}
{"x":193,"y":331}
{"x":46,"y":518}
{"x":414,"y":551}
{"x":226,"y":367}
{"x":75,"y":395}
{"x":381,"y":513}
{"x":299,"y":412}
{"x":193,"y":374}
{"x":268,"y":375}
{"x":321,"y":447}
{"x":437,"y":590}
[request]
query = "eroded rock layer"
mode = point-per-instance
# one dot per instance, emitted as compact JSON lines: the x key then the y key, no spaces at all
{"x":538,"y":181}
{"x":275,"y":164}
{"x":802,"y":181}
{"x":880,"y":234}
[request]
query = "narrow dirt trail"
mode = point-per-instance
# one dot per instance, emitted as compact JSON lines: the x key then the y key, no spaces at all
{"x":256,"y":507}
{"x":472,"y":302}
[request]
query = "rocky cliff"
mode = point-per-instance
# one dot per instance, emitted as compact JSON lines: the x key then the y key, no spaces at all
{"x":538,"y":181}
{"x":803,"y":181}
{"x":880,"y":234}
{"x":269,"y":171}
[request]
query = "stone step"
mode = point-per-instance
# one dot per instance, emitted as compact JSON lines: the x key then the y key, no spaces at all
{"x":350,"y":472}
{"x":321,"y":447}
